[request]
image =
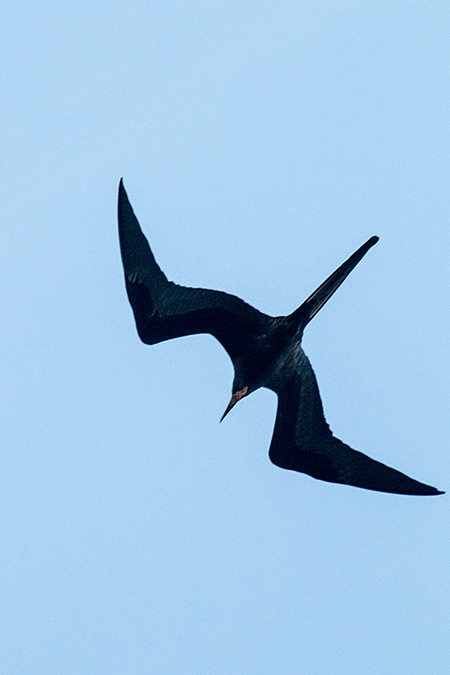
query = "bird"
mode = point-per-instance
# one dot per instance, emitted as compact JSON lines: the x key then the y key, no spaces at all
{"x":265,"y":351}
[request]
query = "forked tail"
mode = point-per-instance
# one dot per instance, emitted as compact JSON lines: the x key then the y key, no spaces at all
{"x":303,"y":315}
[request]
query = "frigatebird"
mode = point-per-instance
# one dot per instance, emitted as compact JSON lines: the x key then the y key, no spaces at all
{"x":265,"y":351}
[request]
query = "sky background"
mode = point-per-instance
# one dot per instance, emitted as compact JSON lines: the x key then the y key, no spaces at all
{"x":261,"y":143}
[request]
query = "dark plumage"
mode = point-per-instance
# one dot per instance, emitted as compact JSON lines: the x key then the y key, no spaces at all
{"x":266,"y":352}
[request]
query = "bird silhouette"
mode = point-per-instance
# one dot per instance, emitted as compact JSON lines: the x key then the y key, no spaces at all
{"x":266,"y":352}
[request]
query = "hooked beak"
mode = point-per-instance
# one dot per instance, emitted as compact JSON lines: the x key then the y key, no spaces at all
{"x":234,"y":399}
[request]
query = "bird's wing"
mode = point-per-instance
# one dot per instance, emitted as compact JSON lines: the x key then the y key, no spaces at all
{"x":302,"y":441}
{"x":164,"y":310}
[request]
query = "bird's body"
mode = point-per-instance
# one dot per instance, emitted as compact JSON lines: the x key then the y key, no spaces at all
{"x":266,"y":352}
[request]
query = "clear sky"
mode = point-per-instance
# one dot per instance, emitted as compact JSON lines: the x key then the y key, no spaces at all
{"x":261,"y":143}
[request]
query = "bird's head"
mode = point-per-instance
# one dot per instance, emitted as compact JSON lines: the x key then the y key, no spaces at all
{"x":243,"y":385}
{"x":237,"y":395}
{"x":251,"y":372}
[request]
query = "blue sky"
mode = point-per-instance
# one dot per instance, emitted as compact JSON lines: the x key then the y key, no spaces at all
{"x":260,"y":144}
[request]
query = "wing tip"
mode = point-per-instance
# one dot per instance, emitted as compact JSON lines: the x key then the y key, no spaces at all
{"x":427,"y":490}
{"x":124,"y":208}
{"x":417,"y":490}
